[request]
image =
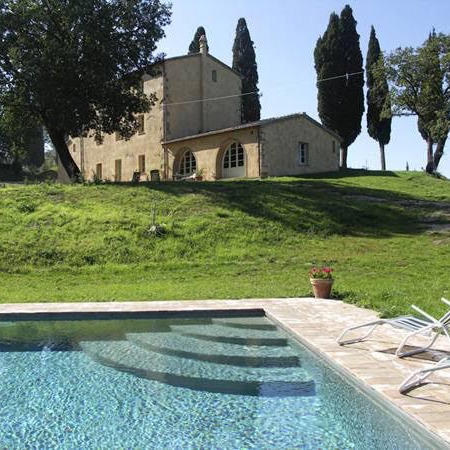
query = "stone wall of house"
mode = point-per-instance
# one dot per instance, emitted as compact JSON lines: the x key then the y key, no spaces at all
{"x":209,"y":152}
{"x":189,"y":82}
{"x":181,"y":82}
{"x":225,"y":110}
{"x":181,"y":90}
{"x":88,"y":154}
{"x":280,"y":147}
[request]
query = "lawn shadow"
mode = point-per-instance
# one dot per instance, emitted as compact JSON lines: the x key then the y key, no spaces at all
{"x":314,"y":206}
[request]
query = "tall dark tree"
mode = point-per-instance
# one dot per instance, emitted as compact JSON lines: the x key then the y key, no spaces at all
{"x":244,"y":62}
{"x":194,"y":46}
{"x":330,"y":66}
{"x":76,"y":67}
{"x":378,"y":127}
{"x":338,"y":62}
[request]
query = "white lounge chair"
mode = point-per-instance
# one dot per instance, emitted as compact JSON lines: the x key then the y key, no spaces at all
{"x":417,"y":378}
{"x":426,"y":326}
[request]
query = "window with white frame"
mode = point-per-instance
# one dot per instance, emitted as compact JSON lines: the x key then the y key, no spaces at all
{"x":303,"y":153}
{"x":234,"y":156}
{"x":188,"y":164}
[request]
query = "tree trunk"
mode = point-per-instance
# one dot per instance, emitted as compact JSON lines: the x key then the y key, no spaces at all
{"x":343,"y":157}
{"x":65,"y":158}
{"x":383,"y":157}
{"x":430,"y":162}
{"x":439,"y":152}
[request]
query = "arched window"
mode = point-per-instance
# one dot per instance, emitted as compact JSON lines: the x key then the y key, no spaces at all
{"x":234,"y":156}
{"x":188,"y":164}
{"x":233,"y":165}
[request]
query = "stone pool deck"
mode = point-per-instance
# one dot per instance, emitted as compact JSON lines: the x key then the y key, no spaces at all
{"x":317,"y":323}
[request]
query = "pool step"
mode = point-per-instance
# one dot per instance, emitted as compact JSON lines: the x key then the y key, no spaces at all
{"x":175,"y":344}
{"x":200,"y":375}
{"x":218,"y":333}
{"x":248,"y":323}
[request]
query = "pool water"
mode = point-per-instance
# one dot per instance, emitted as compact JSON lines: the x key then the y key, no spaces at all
{"x":217,"y":383}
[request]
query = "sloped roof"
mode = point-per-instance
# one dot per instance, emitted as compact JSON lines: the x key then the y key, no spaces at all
{"x":193,"y":55}
{"x":253,"y":125}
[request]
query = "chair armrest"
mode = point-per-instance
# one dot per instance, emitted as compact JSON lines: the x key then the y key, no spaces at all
{"x":420,"y":311}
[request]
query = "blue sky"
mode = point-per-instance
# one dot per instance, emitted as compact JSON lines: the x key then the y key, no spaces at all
{"x":285,"y":33}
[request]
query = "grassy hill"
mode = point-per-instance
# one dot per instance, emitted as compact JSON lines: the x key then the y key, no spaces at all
{"x":385,"y":234}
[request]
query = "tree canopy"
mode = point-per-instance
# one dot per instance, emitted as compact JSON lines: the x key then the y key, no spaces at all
{"x":419,"y":81}
{"x":75,"y":67}
{"x":244,"y":62}
{"x":378,"y":127}
{"x":21,"y":138}
{"x":338,"y":62}
{"x":194,"y":46}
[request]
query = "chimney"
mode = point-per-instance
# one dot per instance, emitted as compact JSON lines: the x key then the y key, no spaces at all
{"x":203,"y":45}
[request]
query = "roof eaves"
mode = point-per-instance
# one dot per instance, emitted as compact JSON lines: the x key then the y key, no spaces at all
{"x":212,"y":133}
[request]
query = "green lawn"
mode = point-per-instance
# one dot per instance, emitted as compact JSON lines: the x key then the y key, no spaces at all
{"x":231,"y":239}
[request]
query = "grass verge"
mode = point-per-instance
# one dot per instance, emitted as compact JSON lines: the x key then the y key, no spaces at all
{"x":385,"y":234}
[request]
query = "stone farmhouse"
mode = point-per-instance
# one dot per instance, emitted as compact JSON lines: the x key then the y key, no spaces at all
{"x":195,"y":128}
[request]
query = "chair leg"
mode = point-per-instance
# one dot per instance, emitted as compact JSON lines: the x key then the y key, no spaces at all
{"x":401,"y":354}
{"x":417,"y":378}
{"x":373,"y":325}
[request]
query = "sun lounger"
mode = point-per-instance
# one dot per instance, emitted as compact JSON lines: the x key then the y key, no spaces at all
{"x":419,"y":376}
{"x":427,"y":325}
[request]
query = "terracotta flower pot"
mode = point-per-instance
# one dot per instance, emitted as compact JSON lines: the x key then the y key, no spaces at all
{"x":321,"y":288}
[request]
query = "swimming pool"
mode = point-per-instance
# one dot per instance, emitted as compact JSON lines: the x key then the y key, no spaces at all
{"x":217,"y":382}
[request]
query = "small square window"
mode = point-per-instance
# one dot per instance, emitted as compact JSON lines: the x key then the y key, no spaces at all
{"x":118,"y":170}
{"x":74,"y":148}
{"x":141,"y":163}
{"x":303,"y":153}
{"x":214,"y":75}
{"x":99,"y":171}
{"x":141,"y":124}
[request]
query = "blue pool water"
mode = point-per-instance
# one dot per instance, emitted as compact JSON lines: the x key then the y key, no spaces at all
{"x":218,"y":383}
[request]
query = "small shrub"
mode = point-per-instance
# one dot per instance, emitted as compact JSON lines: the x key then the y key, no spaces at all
{"x":89,"y":260}
{"x":26,"y":207}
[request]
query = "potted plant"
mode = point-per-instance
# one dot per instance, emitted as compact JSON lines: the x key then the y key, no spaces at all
{"x":321,"y":279}
{"x":199,"y":174}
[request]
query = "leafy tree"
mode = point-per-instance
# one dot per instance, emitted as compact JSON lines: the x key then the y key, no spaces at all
{"x":379,"y":128}
{"x":432,"y":123}
{"x":194,"y":46}
{"x":244,"y":62}
{"x":420,"y":85}
{"x":75,"y":67}
{"x":21,"y":139}
{"x":338,"y":62}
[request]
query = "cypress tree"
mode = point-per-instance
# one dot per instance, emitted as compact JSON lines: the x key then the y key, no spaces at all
{"x":338,"y":62}
{"x":329,"y":63}
{"x":194,"y":46}
{"x":378,"y":126}
{"x":353,"y":99}
{"x":244,"y":62}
